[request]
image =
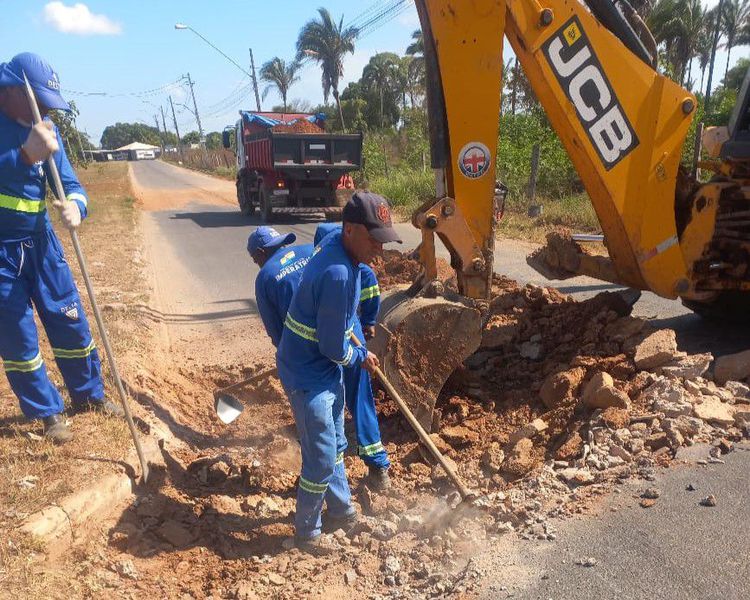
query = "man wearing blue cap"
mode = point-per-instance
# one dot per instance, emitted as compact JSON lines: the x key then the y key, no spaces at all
{"x":280,"y":271}
{"x":315,"y":345}
{"x":33,"y":270}
{"x":357,"y":385}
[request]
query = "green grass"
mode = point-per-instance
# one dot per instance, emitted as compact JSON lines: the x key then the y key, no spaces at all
{"x":405,"y":190}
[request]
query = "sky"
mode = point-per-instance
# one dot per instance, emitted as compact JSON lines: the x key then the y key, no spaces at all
{"x":119,"y":61}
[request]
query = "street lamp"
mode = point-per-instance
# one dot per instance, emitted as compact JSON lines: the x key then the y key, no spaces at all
{"x":181,"y":26}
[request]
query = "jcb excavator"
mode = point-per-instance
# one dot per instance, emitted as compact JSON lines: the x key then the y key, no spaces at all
{"x":592,"y":65}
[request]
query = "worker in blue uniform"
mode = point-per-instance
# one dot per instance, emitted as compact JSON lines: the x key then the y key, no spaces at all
{"x":357,"y":384}
{"x":281,"y":268}
{"x":315,"y":345}
{"x":33,"y":270}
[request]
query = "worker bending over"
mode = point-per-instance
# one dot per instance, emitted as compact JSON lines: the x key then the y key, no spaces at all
{"x":33,"y":269}
{"x":357,"y":385}
{"x":281,"y":268}
{"x":315,"y":345}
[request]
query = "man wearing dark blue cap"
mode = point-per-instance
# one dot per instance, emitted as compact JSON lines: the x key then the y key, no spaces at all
{"x":33,"y":270}
{"x":280,"y":271}
{"x":315,"y":345}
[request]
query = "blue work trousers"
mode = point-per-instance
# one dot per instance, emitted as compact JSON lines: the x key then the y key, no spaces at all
{"x":361,"y":404}
{"x":33,"y":271}
{"x":319,"y":417}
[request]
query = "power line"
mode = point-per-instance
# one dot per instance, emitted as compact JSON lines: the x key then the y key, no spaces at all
{"x":366,"y":14}
{"x":151,"y":92}
{"x":387,"y":14}
{"x":385,"y":20}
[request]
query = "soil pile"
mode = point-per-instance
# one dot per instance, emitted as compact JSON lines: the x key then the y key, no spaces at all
{"x":298,"y":126}
{"x":397,"y":268}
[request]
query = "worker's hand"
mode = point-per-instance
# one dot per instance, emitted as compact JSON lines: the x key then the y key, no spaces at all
{"x":369,"y":332}
{"x":371,"y":363}
{"x":41,"y":142}
{"x":71,"y":214}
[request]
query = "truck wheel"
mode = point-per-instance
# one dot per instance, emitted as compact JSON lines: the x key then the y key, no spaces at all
{"x":729,"y":307}
{"x":264,"y":204}
{"x":244,"y":199}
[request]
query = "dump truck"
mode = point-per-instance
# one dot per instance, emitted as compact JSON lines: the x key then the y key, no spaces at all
{"x":287,"y":163}
{"x":593,"y":66}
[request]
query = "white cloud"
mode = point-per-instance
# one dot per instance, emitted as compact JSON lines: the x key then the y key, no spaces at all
{"x":409,"y":19}
{"x":79,"y":20}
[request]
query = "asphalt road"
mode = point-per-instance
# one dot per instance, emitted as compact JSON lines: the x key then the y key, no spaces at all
{"x":676,"y":550}
{"x":206,"y":237}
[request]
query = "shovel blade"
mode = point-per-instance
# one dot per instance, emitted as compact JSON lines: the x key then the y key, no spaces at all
{"x":228,"y":408}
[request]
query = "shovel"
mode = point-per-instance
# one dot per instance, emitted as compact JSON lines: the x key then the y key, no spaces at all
{"x":229,"y":407}
{"x":466,"y":493}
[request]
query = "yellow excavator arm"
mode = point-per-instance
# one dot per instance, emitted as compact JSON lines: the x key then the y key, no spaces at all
{"x":622,"y":123}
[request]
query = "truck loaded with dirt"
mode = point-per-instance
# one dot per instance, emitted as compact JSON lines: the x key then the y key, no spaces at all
{"x":287,"y":163}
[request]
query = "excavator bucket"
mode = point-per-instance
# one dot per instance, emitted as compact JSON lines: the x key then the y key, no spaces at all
{"x":420,"y":341}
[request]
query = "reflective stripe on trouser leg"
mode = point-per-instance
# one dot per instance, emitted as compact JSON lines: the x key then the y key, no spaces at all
{"x":19,"y":344}
{"x":61,"y":312}
{"x":361,"y":404}
{"x":322,"y":478}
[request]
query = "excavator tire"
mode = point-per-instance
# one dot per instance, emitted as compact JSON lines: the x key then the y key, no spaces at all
{"x":420,"y":342}
{"x":728,"y":307}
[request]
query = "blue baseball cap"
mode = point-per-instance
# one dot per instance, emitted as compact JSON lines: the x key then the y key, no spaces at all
{"x":323,"y":230}
{"x":42,"y":77}
{"x":266,"y":238}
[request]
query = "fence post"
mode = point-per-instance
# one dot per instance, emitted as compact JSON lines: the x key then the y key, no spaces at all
{"x":535,"y":209}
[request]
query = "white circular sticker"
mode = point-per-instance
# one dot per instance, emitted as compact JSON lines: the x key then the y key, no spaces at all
{"x":474,"y":160}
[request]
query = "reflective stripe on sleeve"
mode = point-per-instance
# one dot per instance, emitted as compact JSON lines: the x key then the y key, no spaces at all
{"x":301,"y":330}
{"x":369,"y":293}
{"x":77,"y":196}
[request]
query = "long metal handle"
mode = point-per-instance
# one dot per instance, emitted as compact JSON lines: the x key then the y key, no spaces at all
{"x":423,"y":435}
{"x":60,"y":193}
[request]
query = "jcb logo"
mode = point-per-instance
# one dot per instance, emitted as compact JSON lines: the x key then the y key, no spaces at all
{"x":581,"y":76}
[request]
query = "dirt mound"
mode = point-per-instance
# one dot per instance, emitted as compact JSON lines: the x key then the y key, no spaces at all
{"x":298,"y":126}
{"x":397,"y":268}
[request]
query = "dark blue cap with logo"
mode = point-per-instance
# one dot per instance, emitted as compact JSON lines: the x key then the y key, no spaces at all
{"x":265,"y":238}
{"x":42,"y":77}
{"x":372,"y":211}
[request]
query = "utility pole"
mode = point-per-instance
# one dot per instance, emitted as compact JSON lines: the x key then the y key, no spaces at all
{"x":161,"y":136}
{"x":163,"y":122}
{"x":707,"y":101}
{"x":174,"y":118}
{"x":195,"y":105}
{"x":255,"y":80}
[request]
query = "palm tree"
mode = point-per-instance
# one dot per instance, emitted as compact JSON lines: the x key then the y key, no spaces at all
{"x":280,"y":75}
{"x":734,"y":18}
{"x":381,"y":75}
{"x":416,"y":48}
{"x":327,"y":43}
{"x":679,"y":25}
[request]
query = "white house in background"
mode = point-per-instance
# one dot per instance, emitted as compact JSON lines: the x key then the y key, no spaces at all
{"x":139,"y":151}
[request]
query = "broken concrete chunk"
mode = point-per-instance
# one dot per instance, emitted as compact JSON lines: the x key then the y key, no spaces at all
{"x":459,"y":436}
{"x":738,"y":389}
{"x":656,"y":350}
{"x":576,"y":476}
{"x":689,"y":367}
{"x":572,"y":447}
{"x":732,"y":367}
{"x":713,"y":410}
{"x":520,"y":459}
{"x":530,"y":430}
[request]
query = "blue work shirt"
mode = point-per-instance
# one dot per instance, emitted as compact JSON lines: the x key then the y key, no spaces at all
{"x":369,"y":301}
{"x":316,"y":340}
{"x":23,"y":211}
{"x":276,"y":283}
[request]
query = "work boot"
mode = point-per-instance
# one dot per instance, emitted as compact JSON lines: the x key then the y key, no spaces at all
{"x":331,"y":523}
{"x":105,"y":407}
{"x":56,"y":430}
{"x":378,"y":479}
{"x":320,"y":545}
